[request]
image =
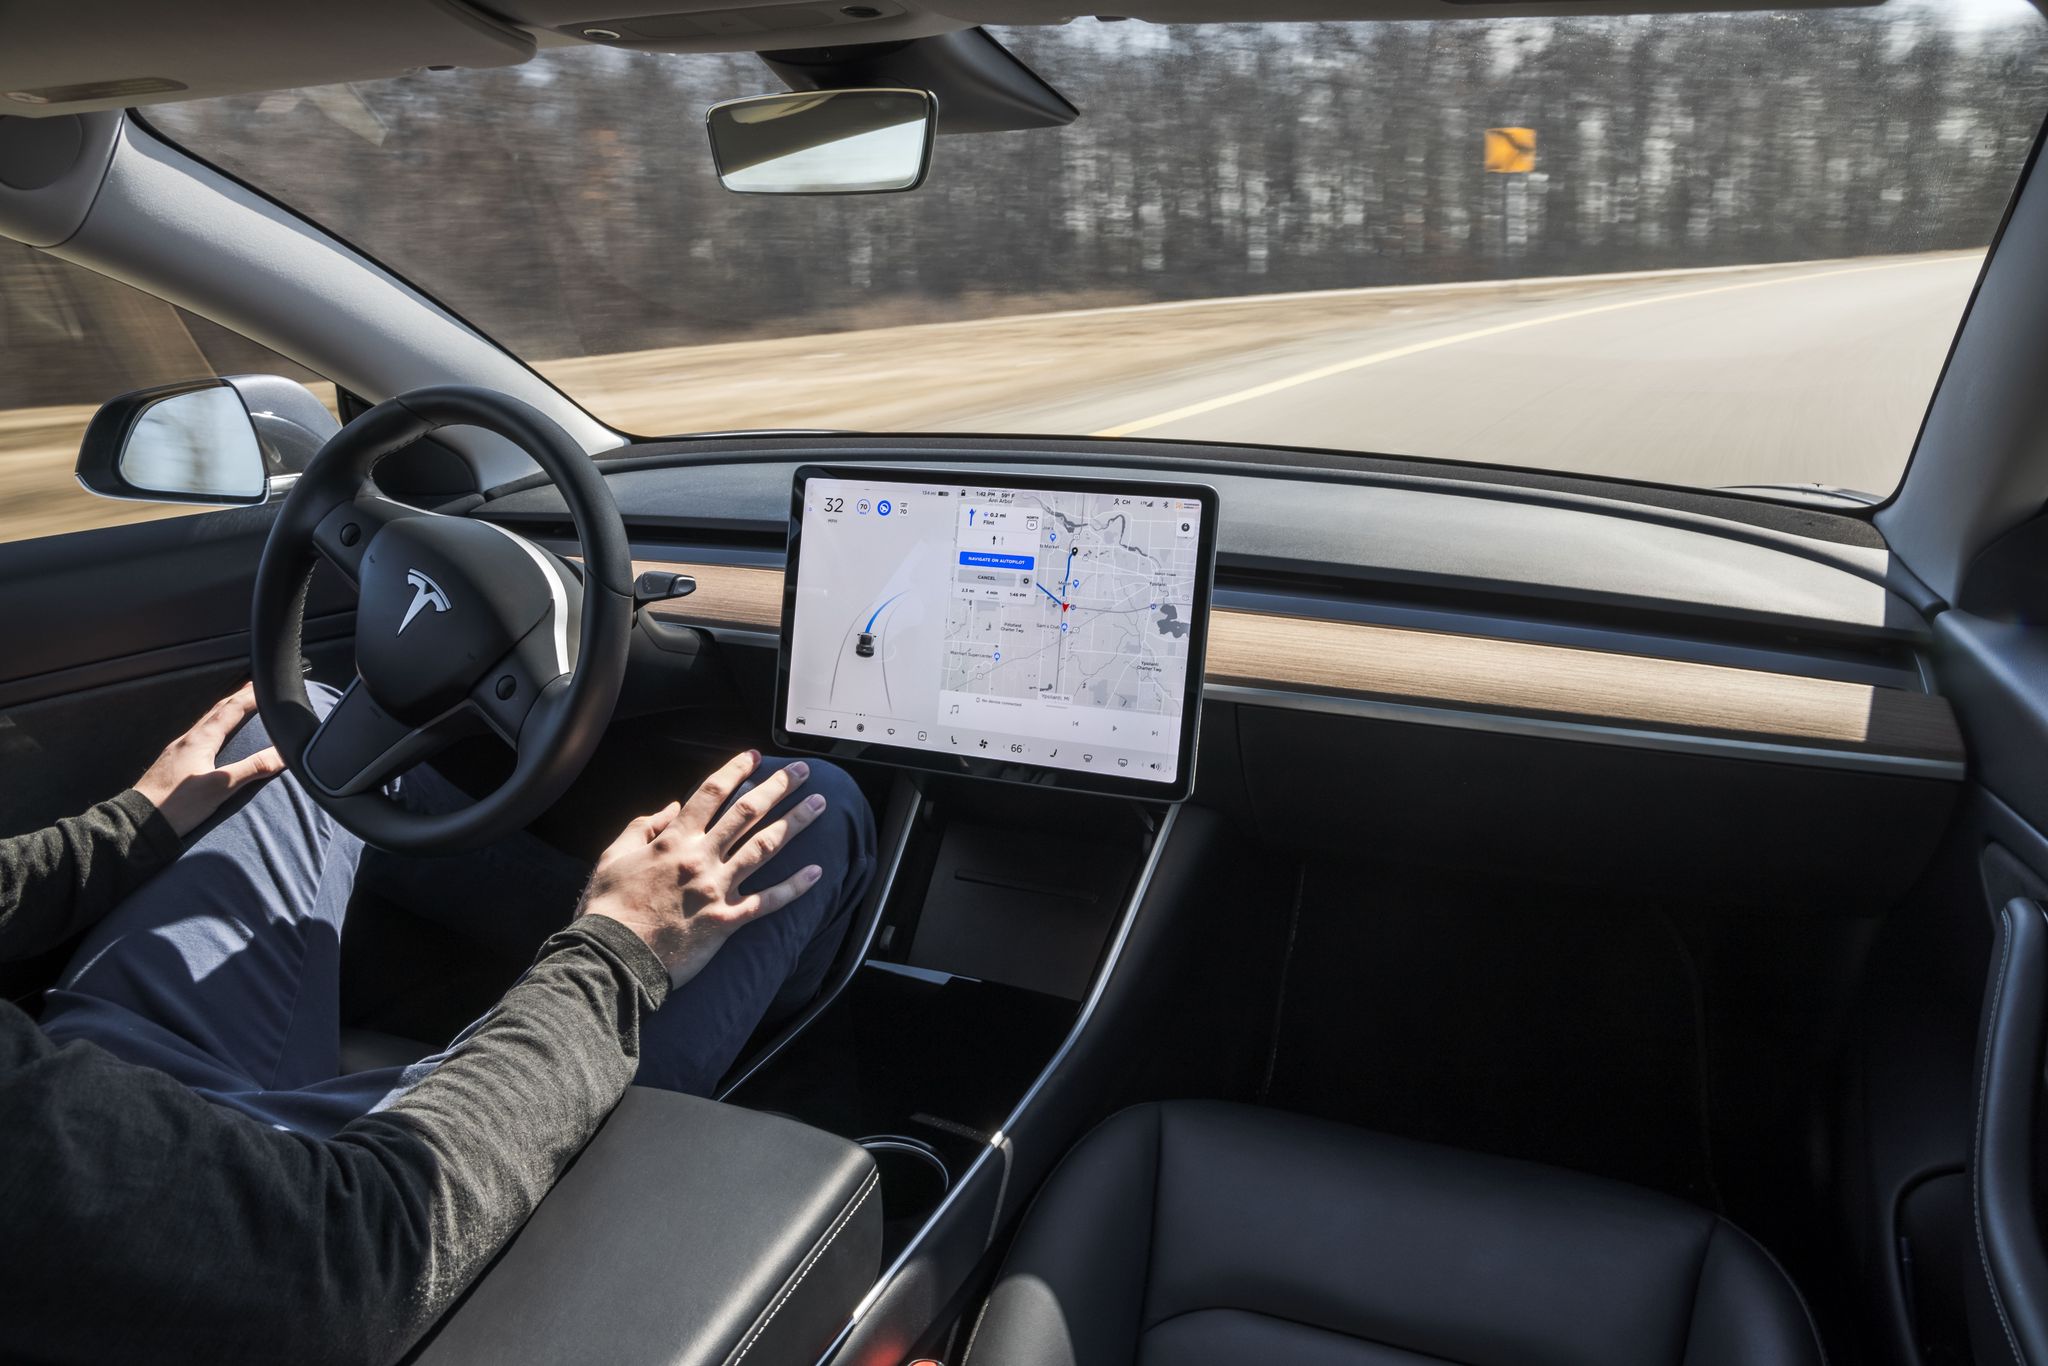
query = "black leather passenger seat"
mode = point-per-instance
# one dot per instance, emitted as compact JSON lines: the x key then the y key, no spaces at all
{"x":1194,"y":1233}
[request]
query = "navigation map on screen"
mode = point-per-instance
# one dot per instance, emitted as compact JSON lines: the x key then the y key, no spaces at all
{"x":1036,"y":626}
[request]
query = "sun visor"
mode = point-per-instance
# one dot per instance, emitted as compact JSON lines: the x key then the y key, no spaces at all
{"x":109,"y":54}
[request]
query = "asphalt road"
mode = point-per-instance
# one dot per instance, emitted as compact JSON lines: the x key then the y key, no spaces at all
{"x":1806,"y":374}
{"x":1816,"y":373}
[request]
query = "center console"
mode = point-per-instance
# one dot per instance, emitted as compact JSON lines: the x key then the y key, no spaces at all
{"x":979,"y":963}
{"x":1030,"y":651}
{"x":977,"y":993}
{"x":1019,"y":663}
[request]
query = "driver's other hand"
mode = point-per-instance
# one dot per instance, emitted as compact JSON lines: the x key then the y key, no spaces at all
{"x":674,"y":877}
{"x":188,"y":782}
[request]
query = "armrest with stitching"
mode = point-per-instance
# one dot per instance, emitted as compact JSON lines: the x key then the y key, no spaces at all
{"x":688,"y":1233}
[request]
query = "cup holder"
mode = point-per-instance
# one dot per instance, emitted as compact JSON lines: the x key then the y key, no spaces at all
{"x":913,"y":1178}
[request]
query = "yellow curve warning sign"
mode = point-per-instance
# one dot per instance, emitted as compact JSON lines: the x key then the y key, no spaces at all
{"x":1511,"y":151}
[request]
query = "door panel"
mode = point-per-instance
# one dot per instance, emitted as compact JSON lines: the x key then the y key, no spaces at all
{"x":1946,"y":1132}
{"x":1941,"y":1120}
{"x":2009,"y":1306}
{"x":113,"y":641}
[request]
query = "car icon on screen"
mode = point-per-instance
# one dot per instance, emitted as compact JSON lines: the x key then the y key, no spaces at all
{"x":865,"y":646}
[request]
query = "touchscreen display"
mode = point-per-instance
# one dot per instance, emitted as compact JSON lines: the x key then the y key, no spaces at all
{"x":1014,"y":629}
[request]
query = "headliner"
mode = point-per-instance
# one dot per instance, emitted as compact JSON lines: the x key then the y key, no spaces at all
{"x":110,"y":54}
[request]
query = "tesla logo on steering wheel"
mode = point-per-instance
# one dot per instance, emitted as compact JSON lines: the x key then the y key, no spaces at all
{"x":425,"y":593}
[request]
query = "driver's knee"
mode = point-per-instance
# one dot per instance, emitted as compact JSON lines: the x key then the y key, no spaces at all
{"x":842,"y":794}
{"x":841,"y":841}
{"x":852,"y":821}
{"x":846,"y":816}
{"x":285,"y":812}
{"x":250,"y":736}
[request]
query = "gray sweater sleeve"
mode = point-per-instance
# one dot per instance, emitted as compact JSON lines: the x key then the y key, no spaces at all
{"x":58,"y":881}
{"x":145,"y":1222}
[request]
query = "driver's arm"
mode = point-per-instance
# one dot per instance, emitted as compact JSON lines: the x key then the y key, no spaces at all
{"x":146,"y":1223}
{"x":56,"y":882}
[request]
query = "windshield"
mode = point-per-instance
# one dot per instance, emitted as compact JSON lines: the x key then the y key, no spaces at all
{"x":1717,"y":250}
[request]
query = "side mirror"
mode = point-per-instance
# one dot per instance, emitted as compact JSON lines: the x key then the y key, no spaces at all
{"x":242,"y":439}
{"x":824,"y":141}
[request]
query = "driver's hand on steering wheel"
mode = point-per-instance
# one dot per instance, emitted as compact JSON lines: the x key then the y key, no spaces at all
{"x":673,"y":878}
{"x":187,"y":783}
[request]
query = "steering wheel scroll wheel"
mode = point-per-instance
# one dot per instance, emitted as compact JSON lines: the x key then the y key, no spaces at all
{"x":462,"y":627}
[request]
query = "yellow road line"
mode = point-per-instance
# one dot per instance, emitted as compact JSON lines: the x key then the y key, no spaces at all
{"x":1345,"y":367}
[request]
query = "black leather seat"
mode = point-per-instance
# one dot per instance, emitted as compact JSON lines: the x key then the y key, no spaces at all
{"x":1194,"y":1233}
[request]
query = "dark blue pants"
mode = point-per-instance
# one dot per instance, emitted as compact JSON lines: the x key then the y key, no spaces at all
{"x":224,"y":969}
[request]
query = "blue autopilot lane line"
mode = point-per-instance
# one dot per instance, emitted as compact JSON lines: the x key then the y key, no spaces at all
{"x":865,"y":646}
{"x":863,"y":634}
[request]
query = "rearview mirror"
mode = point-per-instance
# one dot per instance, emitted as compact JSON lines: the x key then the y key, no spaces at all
{"x":824,"y":141}
{"x":241,"y":439}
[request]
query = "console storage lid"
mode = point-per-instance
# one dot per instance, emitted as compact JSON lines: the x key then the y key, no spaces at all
{"x":687,"y":1232}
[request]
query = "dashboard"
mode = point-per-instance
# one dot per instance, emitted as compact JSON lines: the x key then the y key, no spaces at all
{"x":1048,"y":630}
{"x":1731,"y":701}
{"x":1471,"y":600}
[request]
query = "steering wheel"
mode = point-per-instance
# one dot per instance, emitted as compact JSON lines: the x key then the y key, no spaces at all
{"x":462,"y":627}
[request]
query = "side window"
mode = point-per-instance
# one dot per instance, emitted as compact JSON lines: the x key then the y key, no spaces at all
{"x":71,"y":339}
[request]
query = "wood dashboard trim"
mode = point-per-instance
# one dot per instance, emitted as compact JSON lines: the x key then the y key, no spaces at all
{"x":727,"y":595}
{"x":1358,"y":660}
